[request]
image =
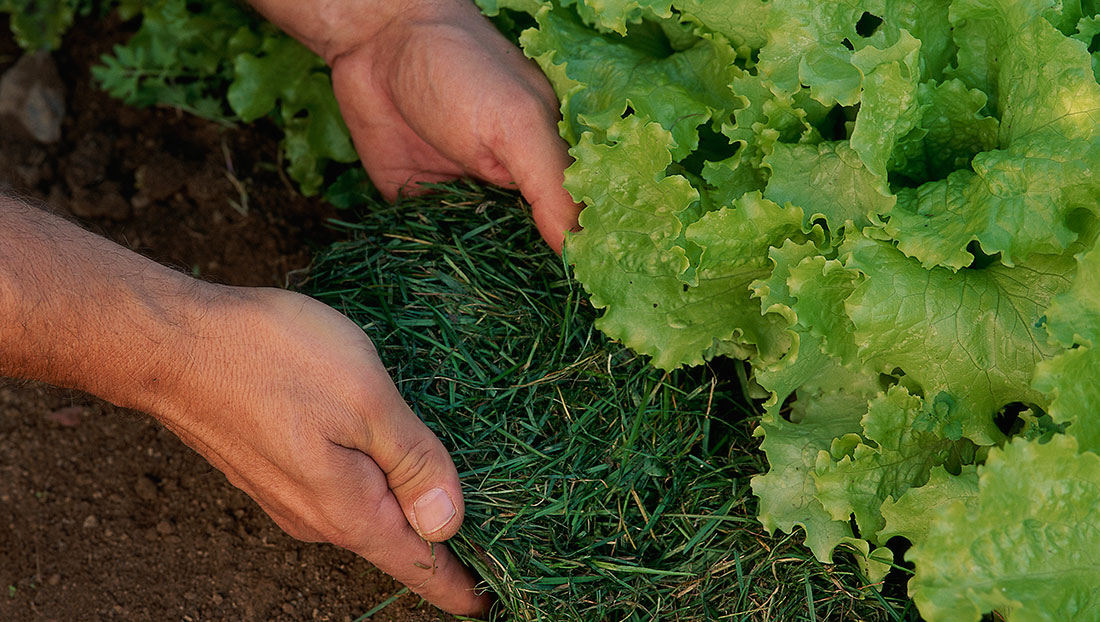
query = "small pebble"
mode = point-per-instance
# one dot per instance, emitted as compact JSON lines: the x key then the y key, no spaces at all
{"x":146,"y":488}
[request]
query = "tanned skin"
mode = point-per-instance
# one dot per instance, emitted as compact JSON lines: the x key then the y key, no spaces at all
{"x":281,"y":393}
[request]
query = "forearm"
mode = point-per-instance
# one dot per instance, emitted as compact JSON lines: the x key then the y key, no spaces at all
{"x":79,"y":311}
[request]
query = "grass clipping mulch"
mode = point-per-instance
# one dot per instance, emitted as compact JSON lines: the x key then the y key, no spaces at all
{"x":597,"y":488}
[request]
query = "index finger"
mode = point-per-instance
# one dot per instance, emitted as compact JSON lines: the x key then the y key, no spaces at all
{"x":536,"y":157}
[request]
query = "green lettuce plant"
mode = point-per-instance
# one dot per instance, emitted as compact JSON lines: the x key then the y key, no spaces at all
{"x":888,"y":209}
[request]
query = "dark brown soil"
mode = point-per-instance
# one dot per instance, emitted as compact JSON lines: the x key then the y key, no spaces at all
{"x":104,"y":515}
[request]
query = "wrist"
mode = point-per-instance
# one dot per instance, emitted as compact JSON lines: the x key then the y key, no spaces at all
{"x":183,"y":320}
{"x":335,"y":28}
{"x":332,"y":28}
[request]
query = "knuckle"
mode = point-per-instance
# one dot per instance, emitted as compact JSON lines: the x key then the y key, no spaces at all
{"x":415,"y":464}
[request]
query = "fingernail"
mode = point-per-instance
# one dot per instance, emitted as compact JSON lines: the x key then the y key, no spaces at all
{"x":432,"y":511}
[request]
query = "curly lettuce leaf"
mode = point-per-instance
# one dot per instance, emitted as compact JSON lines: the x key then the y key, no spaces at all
{"x":806,"y":46}
{"x":953,"y":129}
{"x":911,"y":515}
{"x":888,"y":106}
{"x":805,"y":364}
{"x":827,"y":181}
{"x":599,"y":78}
{"x":820,"y":286}
{"x":740,"y":21}
{"x":616,"y":15}
{"x":1034,"y":75}
{"x":787,"y":492}
{"x":892,"y":454}
{"x":1016,"y":202}
{"x":635,"y":252}
{"x":763,"y":119}
{"x":1047,"y":85}
{"x":308,"y":111}
{"x":1070,"y":381}
{"x":1024,"y":547}
{"x":1074,"y":316}
{"x":928,"y":21}
{"x":975,"y":335}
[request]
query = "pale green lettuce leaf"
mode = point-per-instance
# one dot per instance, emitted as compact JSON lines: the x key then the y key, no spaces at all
{"x":805,"y":365}
{"x":975,"y":335}
{"x":598,"y":78}
{"x":820,"y":286}
{"x":1035,"y":76}
{"x":806,"y":47}
{"x":787,"y":493}
{"x":740,"y":21}
{"x":631,"y":255}
{"x":1025,"y":547}
{"x":831,"y":399}
{"x":894,"y":454}
{"x":888,"y":107}
{"x":1070,"y":380}
{"x":983,"y":30}
{"x":928,"y":21}
{"x":1016,"y":202}
{"x":1047,"y":85}
{"x":952,"y":131}
{"x":912,"y":514}
{"x":1087,"y":29}
{"x":831,"y":77}
{"x":615,"y":15}
{"x":1074,"y":316}
{"x":728,"y":179}
{"x":827,"y":181}
{"x":762,"y":119}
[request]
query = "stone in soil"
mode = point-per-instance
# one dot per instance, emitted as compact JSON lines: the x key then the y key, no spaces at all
{"x":32,"y":98}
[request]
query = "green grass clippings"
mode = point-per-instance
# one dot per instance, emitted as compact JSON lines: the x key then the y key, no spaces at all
{"x":597,"y":487}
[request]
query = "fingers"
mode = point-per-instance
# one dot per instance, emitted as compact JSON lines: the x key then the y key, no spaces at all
{"x":466,"y":103}
{"x":375,"y":525}
{"x":538,"y":168}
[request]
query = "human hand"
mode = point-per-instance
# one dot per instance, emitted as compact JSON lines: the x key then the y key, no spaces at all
{"x":283,"y":394}
{"x":439,"y":94}
{"x":431,"y":91}
{"x":289,"y":399}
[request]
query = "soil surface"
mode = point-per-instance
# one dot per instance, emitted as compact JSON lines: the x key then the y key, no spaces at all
{"x":104,"y":514}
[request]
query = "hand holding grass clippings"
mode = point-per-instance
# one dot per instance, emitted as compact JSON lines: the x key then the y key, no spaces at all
{"x":431,"y":91}
{"x":284,"y":395}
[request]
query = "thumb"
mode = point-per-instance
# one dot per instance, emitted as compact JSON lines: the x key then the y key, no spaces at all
{"x":418,"y":468}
